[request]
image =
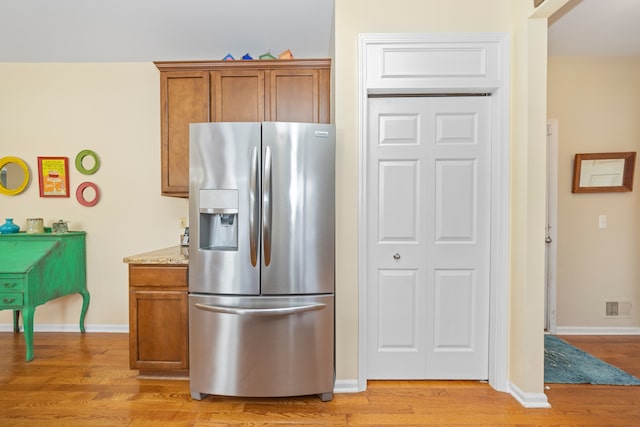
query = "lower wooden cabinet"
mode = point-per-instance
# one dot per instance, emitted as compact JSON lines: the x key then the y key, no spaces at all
{"x":158,"y":319}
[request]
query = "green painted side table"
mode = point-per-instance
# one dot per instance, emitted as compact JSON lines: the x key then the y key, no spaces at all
{"x":36,"y":268}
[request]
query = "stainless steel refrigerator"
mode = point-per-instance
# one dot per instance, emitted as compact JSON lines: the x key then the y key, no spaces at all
{"x":261,"y":259}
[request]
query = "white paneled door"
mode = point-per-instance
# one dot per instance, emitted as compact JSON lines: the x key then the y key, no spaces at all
{"x":428,"y":216}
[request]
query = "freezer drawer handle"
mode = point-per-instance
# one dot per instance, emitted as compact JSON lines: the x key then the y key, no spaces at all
{"x":281,"y":311}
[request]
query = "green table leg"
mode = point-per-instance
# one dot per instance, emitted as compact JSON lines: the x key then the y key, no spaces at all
{"x":85,"y":305}
{"x":16,"y":320}
{"x":27,"y":320}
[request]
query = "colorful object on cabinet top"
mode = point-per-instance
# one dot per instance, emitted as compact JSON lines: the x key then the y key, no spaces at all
{"x":286,"y":55}
{"x":9,"y":227}
{"x":267,"y":56}
{"x":229,"y":57}
{"x":246,"y":57}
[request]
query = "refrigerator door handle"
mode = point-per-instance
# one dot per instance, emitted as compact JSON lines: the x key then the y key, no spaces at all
{"x":253,"y":207}
{"x":243,"y":311}
{"x":266,"y":207}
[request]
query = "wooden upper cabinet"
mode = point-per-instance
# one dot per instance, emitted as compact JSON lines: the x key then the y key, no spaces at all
{"x":184,"y":99}
{"x":294,"y":96}
{"x":237,"y":96}
{"x":295,"y":90}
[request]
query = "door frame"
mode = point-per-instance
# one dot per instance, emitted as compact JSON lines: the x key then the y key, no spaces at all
{"x":551,"y":255}
{"x":476,"y":63}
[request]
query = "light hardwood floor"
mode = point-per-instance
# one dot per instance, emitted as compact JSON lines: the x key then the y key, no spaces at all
{"x":84,"y":380}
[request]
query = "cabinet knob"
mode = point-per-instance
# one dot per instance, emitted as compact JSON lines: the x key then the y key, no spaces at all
{"x":7,"y":300}
{"x":396,"y":256}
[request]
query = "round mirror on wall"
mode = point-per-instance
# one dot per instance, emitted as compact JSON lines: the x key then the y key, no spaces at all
{"x":14,"y":175}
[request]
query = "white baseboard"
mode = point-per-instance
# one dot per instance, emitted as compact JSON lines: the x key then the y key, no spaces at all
{"x":597,"y":330}
{"x":346,"y":386}
{"x":529,"y":400}
{"x":69,"y":327}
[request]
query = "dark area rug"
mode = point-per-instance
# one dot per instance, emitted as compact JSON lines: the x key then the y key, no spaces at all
{"x":566,"y":364}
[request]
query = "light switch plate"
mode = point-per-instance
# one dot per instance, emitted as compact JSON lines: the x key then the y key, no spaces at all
{"x":602,"y":221}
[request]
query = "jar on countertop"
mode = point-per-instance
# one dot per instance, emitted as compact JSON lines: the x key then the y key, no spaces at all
{"x":60,"y":227}
{"x":9,"y":227}
{"x":35,"y":225}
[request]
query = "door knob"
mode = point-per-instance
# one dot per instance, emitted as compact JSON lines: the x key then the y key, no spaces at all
{"x":396,"y":256}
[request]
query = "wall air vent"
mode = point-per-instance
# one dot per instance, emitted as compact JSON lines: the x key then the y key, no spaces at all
{"x":617,"y":309}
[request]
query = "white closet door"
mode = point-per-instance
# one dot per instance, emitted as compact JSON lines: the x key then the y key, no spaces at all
{"x":429,"y":237}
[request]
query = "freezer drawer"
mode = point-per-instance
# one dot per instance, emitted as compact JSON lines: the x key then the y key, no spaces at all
{"x":261,"y":346}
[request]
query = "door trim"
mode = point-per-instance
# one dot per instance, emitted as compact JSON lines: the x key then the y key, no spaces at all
{"x":552,"y":225}
{"x":493,"y":50}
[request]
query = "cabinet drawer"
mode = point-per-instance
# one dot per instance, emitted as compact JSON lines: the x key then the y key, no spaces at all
{"x":158,"y":275}
{"x":11,"y":299}
{"x":11,"y":284}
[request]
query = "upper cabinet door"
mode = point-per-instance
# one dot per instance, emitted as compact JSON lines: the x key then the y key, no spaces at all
{"x":237,"y":96}
{"x":184,"y":99}
{"x":298,"y":95}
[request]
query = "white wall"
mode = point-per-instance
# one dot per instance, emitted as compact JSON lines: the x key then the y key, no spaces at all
{"x":597,"y":103}
{"x":114,"y":110}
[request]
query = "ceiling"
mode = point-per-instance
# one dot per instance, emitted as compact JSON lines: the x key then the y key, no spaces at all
{"x":596,"y":28}
{"x":153,"y":30}
{"x":165,"y":30}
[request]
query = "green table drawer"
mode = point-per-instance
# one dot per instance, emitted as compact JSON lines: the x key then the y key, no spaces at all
{"x":11,"y":284}
{"x":11,"y":299}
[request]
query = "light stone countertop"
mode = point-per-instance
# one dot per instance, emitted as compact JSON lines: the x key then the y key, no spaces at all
{"x":171,"y":255}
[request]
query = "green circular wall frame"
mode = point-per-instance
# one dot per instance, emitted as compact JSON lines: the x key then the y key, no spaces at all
{"x":80,"y":157}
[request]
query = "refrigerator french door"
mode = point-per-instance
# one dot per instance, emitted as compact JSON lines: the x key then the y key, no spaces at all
{"x":261,"y":259}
